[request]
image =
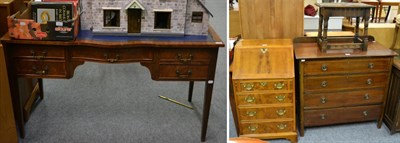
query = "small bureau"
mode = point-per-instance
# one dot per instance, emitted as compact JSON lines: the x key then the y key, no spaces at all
{"x":264,"y":87}
{"x":343,"y":86}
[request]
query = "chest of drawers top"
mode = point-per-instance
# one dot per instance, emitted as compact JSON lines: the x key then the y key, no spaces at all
{"x":263,"y":59}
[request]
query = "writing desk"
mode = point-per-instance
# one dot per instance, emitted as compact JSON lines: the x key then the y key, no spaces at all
{"x":188,"y":58}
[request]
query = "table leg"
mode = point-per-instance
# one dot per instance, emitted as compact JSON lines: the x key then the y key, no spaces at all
{"x":377,"y":13}
{"x":41,"y":92}
{"x":380,"y":13}
{"x":190,"y":91}
{"x":357,"y":30}
{"x":206,"y":108}
{"x":365,"y":39}
{"x":373,"y":14}
{"x":387,"y":14}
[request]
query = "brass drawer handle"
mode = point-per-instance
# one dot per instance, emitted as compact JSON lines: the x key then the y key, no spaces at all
{"x":280,"y":98}
{"x":369,"y":81}
{"x":248,"y":86}
{"x":322,"y":116}
{"x":365,"y":113}
{"x":264,"y":50}
{"x":281,"y":112}
{"x":371,"y":65}
{"x":281,"y":126}
{"x":324,"y":67}
{"x":40,"y":72}
{"x":117,"y":56}
{"x":251,"y":113}
{"x":279,"y":85}
{"x":179,"y":74}
{"x":184,"y":60}
{"x":366,"y":96}
{"x":324,"y":83}
{"x":249,"y":99}
{"x":252,"y":128}
{"x":323,"y":100}
{"x":263,"y":84}
{"x":33,"y":54}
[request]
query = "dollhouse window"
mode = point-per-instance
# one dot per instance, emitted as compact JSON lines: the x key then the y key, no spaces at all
{"x":162,"y":20}
{"x":197,"y":17}
{"x":111,"y":18}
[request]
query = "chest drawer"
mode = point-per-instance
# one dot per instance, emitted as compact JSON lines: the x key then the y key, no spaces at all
{"x":263,"y":85}
{"x":266,"y":113}
{"x":112,"y":55}
{"x":341,"y":115}
{"x":266,"y":127}
{"x":35,"y":68}
{"x":341,"y":66}
{"x":200,"y":56}
{"x":183,"y":72}
{"x":263,"y":98}
{"x":340,"y":99}
{"x":40,"y":52}
{"x":321,"y":83}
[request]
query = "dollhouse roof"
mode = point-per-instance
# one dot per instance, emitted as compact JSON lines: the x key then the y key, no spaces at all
{"x":208,"y":11}
{"x":135,"y":5}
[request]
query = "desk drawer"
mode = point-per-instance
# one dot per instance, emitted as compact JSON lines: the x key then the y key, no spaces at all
{"x":38,"y":52}
{"x":263,"y":98}
{"x":112,"y":55}
{"x":346,"y":66}
{"x":263,"y":85}
{"x":201,"y":56}
{"x":345,"y":82}
{"x":266,"y":127}
{"x":340,"y":99}
{"x":341,"y":115}
{"x":33,"y":68}
{"x":183,"y":72}
{"x":266,"y":112}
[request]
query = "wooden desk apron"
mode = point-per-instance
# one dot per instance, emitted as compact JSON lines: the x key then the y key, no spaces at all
{"x":168,"y":59}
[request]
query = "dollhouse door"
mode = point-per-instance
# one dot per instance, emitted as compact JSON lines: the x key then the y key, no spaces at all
{"x":134,"y":20}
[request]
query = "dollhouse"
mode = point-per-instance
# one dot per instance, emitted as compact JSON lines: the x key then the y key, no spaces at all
{"x":145,"y":17}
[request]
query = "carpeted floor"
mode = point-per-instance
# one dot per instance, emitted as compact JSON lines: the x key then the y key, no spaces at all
{"x":119,"y":103}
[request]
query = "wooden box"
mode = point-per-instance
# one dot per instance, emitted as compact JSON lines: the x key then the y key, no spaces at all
{"x":263,"y":83}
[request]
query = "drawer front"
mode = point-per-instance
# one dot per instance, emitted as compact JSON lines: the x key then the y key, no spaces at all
{"x":263,"y":98}
{"x":40,"y":52}
{"x":41,"y":68}
{"x":269,"y":127}
{"x":346,"y":66}
{"x":340,"y":99}
{"x":112,"y":55}
{"x":251,"y":86}
{"x":183,"y":72}
{"x":345,"y":82}
{"x":341,"y":115}
{"x":201,"y":56}
{"x":266,"y":113}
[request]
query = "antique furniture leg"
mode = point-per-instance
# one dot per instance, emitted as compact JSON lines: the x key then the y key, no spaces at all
{"x":365,"y":39}
{"x":41,"y":92}
{"x":190,"y":90}
{"x":325,"y":36}
{"x":387,"y":14}
{"x":206,"y":109}
{"x":356,"y":34}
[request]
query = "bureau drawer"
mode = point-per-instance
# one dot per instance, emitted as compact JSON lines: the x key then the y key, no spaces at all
{"x":320,"y":83}
{"x":183,"y":72}
{"x":266,"y":127}
{"x":340,"y":99}
{"x":35,"y":68}
{"x":263,"y":85}
{"x":39,"y":52}
{"x":341,"y":115}
{"x":200,"y":56}
{"x":263,"y":98}
{"x":266,"y":113}
{"x":112,"y":55}
{"x":341,"y":66}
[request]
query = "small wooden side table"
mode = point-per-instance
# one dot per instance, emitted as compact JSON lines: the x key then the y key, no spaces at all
{"x":347,"y":10}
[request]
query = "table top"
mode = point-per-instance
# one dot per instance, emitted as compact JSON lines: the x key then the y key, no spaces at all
{"x":86,"y":38}
{"x":343,"y":5}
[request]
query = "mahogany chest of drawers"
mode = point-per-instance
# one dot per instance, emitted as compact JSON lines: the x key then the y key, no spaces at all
{"x":263,"y":83}
{"x":341,"y":87}
{"x":392,"y":110}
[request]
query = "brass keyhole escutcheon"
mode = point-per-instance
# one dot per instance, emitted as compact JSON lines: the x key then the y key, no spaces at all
{"x":322,"y":116}
{"x":281,"y":126}
{"x":281,"y":112}
{"x":263,"y":84}
{"x":371,"y":65}
{"x":264,"y":50}
{"x":248,"y":86}
{"x":251,"y":113}
{"x":279,"y":85}
{"x":252,"y":128}
{"x":323,"y":100}
{"x":369,"y":81}
{"x":280,"y":98}
{"x":324,"y":67}
{"x":324,"y":83}
{"x":366,"y":96}
{"x":249,"y":99}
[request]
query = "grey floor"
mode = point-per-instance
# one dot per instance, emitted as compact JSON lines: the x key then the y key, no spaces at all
{"x":119,"y":103}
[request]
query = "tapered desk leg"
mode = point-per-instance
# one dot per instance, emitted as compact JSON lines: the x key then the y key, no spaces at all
{"x":40,"y":81}
{"x":190,"y":91}
{"x":206,"y":109}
